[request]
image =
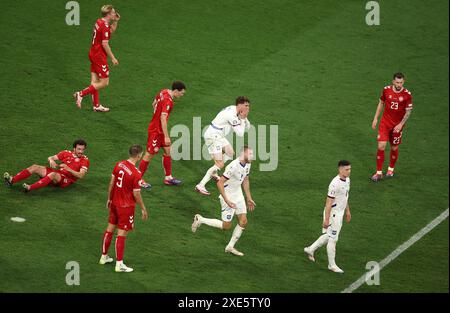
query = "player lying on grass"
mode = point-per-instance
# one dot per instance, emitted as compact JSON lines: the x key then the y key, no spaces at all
{"x":158,"y":133}
{"x":98,"y":56}
{"x":397,"y":103}
{"x":124,"y":191}
{"x":73,"y":165}
{"x":335,"y":207}
{"x":233,"y":116}
{"x":232,"y":200}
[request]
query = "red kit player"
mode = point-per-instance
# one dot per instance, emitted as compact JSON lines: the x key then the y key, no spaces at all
{"x":98,"y":54}
{"x":73,"y":165}
{"x":397,"y":102}
{"x":124,"y":192}
{"x":158,"y":135}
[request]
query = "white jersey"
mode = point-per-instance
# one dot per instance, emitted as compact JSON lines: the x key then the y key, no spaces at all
{"x":225,"y":120}
{"x":235,"y":172}
{"x":339,"y":190}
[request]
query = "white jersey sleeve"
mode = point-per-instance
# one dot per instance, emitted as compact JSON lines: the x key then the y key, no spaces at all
{"x":229,"y":170}
{"x":332,"y":190}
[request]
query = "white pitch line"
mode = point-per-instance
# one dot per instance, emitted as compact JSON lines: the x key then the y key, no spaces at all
{"x":400,"y":249}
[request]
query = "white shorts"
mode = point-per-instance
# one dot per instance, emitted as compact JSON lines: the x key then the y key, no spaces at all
{"x":215,"y":143}
{"x":227,"y":212}
{"x":335,"y":225}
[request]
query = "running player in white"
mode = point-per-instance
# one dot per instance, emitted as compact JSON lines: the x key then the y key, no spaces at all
{"x":335,"y":208}
{"x":232,"y":200}
{"x":220,"y":149}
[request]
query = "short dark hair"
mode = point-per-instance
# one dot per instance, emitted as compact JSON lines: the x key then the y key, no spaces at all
{"x":343,"y":163}
{"x":135,"y":150}
{"x":241,"y":100}
{"x":79,"y":142}
{"x":399,"y":75}
{"x":178,"y":85}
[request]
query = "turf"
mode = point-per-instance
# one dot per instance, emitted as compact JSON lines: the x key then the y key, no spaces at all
{"x":315,"y":69}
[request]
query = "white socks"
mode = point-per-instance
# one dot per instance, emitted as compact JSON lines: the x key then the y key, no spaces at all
{"x":237,"y":232}
{"x":319,"y":242}
{"x":331,"y":251}
{"x":211,"y":222}
{"x":208,"y":174}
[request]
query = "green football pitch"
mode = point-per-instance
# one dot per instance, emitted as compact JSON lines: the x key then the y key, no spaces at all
{"x":314,"y":68}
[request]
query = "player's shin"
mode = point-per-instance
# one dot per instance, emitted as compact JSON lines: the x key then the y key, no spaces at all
{"x":95,"y":98}
{"x":167,"y":164}
{"x":331,"y":252}
{"x":319,"y":242}
{"x":237,"y":232}
{"x":211,"y":171}
{"x":107,"y":237}
{"x":21,"y":176}
{"x":143,"y":165}
{"x":41,"y":183}
{"x":120,"y":248}
{"x":212,"y":222}
{"x":393,"y":159}
{"x":380,"y":161}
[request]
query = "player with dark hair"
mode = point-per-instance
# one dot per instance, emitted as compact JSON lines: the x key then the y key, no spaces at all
{"x":158,"y":133}
{"x":73,"y":165}
{"x":397,"y":103}
{"x":232,"y":117}
{"x":123,"y":193}
{"x":336,"y":206}
{"x":98,"y":55}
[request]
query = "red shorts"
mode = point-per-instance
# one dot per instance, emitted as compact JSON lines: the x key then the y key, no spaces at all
{"x":101,"y":68}
{"x":386,"y":133}
{"x":154,"y":142}
{"x":123,"y":217}
{"x":64,"y":182}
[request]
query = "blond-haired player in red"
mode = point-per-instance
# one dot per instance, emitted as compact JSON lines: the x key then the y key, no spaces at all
{"x":98,"y":55}
{"x":124,"y":192}
{"x":397,"y":103}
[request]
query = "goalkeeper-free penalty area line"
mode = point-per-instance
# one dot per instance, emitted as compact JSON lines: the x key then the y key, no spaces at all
{"x":397,"y":252}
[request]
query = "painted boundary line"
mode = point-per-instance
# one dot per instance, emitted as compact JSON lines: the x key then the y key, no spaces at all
{"x":400,"y":249}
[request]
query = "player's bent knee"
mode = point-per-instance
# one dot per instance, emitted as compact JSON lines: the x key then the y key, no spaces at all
{"x":220,"y":164}
{"x":243,"y":223}
{"x":226,"y":225}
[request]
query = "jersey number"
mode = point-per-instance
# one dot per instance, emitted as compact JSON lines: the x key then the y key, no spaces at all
{"x":120,"y":179}
{"x":394,"y":105}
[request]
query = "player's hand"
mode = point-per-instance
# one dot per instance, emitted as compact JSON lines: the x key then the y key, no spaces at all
{"x":117,"y":16}
{"x":398,"y":128}
{"x":251,"y":204}
{"x":64,"y":166}
{"x":348,"y":217}
{"x":115,"y":61}
{"x":52,"y":164}
{"x":167,"y":141}
{"x":326,"y":224}
{"x":108,"y":204}
{"x":231,"y":204}
{"x":374,"y":124}
{"x":144,"y":215}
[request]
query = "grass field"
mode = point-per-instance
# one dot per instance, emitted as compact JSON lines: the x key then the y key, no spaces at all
{"x":315,"y":69}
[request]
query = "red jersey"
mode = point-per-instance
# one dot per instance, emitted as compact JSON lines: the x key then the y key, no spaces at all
{"x":126,"y":179}
{"x":101,"y":32}
{"x":75,"y":163}
{"x":164,"y":104}
{"x":395,"y":105}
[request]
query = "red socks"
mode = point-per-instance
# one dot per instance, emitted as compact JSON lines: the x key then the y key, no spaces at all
{"x":143,"y":165}
{"x":95,"y":100}
{"x":167,"y":163}
{"x":107,"y":237}
{"x":21,"y":176}
{"x":41,"y":183}
{"x":380,"y":160}
{"x":87,"y":91}
{"x":394,"y":157}
{"x":120,"y":247}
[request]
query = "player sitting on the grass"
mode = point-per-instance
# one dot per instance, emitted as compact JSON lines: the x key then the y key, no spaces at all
{"x":232,"y":200}
{"x":98,"y":55}
{"x":124,"y":191}
{"x":397,"y":103}
{"x":158,"y":134}
{"x":233,"y":116}
{"x":73,"y":165}
{"x":335,"y":207}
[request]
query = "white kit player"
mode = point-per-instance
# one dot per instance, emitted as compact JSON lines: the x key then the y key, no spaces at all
{"x":335,"y":208}
{"x":220,"y":149}
{"x":232,"y":200}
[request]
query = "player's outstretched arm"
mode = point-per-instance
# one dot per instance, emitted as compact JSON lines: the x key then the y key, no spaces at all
{"x":138,"y":198}
{"x":377,"y":114}
{"x":110,"y":188}
{"x":220,"y":186}
{"x":51,"y":161}
{"x":246,"y":185}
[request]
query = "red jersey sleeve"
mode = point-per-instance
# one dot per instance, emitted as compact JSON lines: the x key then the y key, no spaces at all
{"x":408,"y":102}
{"x":167,"y":106}
{"x":105,"y":33}
{"x":137,"y":182}
{"x":383,"y":95}
{"x":85,"y":163}
{"x":63,"y":154}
